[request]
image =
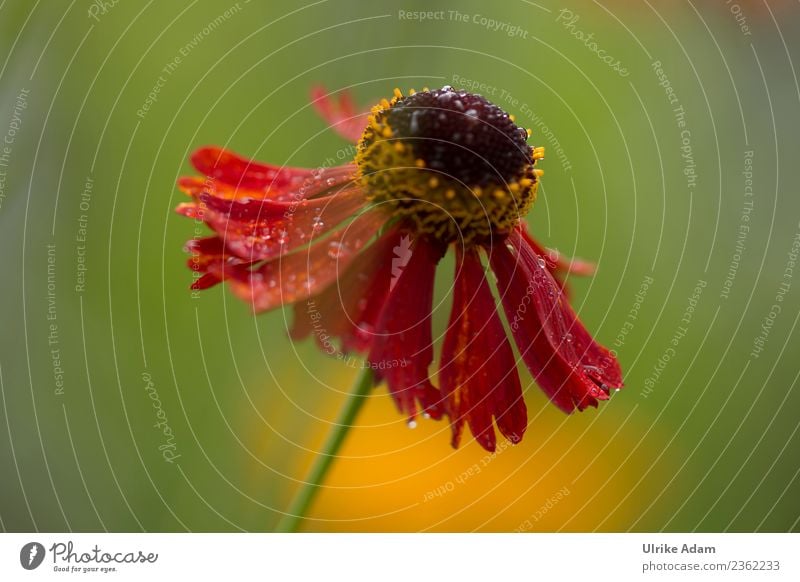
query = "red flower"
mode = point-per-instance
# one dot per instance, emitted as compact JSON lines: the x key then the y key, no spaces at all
{"x":355,"y":249}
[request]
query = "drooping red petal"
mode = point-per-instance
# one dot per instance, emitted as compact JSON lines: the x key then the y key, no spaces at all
{"x":340,"y":114}
{"x":205,"y":252}
{"x":206,"y":281}
{"x":265,"y":229}
{"x":302,"y":185}
{"x":572,"y":369}
{"x":478,"y":371}
{"x":259,"y":224}
{"x":207,"y":257}
{"x":349,"y":308}
{"x":578,"y":341}
{"x":306,"y":272}
{"x":402,"y":349}
{"x":556,"y":263}
{"x":266,"y":209}
{"x":235,"y":170}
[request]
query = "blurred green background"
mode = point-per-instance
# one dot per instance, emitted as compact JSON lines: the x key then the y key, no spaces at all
{"x":703,"y":437}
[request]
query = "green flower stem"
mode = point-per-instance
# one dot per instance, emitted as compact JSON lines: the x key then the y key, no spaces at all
{"x":355,"y":401}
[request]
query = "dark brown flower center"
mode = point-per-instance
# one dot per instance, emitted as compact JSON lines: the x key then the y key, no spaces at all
{"x":451,"y":162}
{"x":462,"y":135}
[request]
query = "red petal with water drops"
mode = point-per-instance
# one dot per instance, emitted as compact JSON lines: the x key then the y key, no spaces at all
{"x":340,"y":113}
{"x":206,"y":252}
{"x":403,"y":349}
{"x":235,"y":170}
{"x":350,"y":307}
{"x":210,"y":265}
{"x":596,"y":360}
{"x":203,"y":250}
{"x":265,"y":229}
{"x":304,"y":273}
{"x":299,"y":185}
{"x":571,"y":368}
{"x":478,"y":371}
{"x":556,"y":262}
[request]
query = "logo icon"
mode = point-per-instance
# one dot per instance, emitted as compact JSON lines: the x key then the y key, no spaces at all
{"x":31,"y":555}
{"x":402,"y":254}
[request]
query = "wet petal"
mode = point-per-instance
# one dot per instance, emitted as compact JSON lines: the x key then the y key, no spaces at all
{"x":306,"y":272}
{"x":203,"y":250}
{"x":350,"y":307}
{"x":567,"y":363}
{"x":235,"y":170}
{"x":208,"y":254}
{"x":478,"y":371}
{"x":265,"y":229}
{"x":340,"y":113}
{"x":403,"y":349}
{"x":577,"y":343}
{"x":299,"y":184}
{"x":557,"y":264}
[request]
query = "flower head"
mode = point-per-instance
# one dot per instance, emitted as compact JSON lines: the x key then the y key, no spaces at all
{"x":355,"y":248}
{"x":453,"y":163}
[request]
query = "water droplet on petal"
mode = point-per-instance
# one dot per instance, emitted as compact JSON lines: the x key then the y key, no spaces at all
{"x":542,"y":263}
{"x":425,"y":415}
{"x":337,"y":250}
{"x":412,"y":424}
